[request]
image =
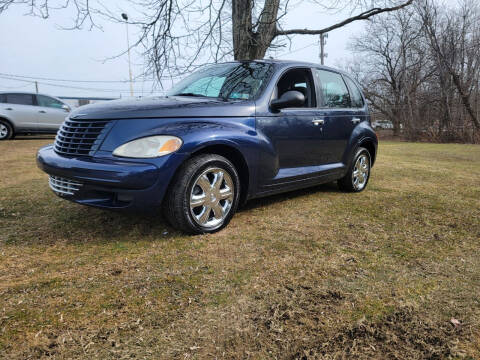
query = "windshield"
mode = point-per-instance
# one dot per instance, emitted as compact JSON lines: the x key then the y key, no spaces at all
{"x":237,"y":81}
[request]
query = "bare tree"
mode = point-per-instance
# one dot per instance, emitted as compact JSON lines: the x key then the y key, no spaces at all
{"x":421,"y":68}
{"x":447,"y":35}
{"x":391,"y":71}
{"x":178,"y":35}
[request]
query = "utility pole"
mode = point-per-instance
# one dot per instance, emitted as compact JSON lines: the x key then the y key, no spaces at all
{"x":323,"y":42}
{"x":36,"y":86}
{"x":125,"y":17}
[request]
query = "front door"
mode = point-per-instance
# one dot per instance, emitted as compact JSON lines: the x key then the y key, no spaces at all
{"x":51,"y":113}
{"x":295,"y":133}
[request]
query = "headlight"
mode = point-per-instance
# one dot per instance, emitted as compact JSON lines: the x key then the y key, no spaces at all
{"x":149,"y":147}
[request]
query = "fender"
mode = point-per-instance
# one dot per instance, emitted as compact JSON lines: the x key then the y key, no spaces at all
{"x":239,"y":136}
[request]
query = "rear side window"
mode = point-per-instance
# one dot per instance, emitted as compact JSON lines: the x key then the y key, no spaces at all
{"x":333,"y":89}
{"x":355,"y":94}
{"x":47,"y":101}
{"x":20,"y":99}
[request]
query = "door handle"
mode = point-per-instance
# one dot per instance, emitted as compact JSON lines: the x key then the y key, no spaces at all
{"x":317,"y":122}
{"x":42,"y":112}
{"x":8,"y":109}
{"x":356,"y":120}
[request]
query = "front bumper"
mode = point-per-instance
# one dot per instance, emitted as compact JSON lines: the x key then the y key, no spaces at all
{"x":108,"y":182}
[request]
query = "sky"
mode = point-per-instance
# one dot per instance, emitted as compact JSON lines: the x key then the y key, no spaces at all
{"x":40,"y":49}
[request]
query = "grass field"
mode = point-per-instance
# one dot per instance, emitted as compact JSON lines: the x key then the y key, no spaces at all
{"x":311,"y":274}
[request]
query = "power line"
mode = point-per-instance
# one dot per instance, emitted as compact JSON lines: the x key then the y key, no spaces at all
{"x":15,"y":87}
{"x":299,"y":49}
{"x":67,"y":86}
{"x":66,"y":80}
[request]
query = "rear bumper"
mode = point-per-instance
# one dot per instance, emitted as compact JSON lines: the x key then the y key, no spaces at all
{"x":109,"y":182}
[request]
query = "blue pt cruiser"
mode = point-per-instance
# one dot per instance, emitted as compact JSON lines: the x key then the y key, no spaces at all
{"x":225,"y":134}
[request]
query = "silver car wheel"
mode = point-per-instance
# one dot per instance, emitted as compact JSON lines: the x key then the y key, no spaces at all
{"x":361,"y":172}
{"x":211,"y":197}
{"x":3,"y":131}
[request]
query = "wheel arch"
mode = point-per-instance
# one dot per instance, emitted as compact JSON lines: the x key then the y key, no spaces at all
{"x":9,"y":122}
{"x":236,"y":157}
{"x":371,"y":146}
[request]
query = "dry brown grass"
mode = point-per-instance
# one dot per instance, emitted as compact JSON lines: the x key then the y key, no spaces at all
{"x":311,"y":274}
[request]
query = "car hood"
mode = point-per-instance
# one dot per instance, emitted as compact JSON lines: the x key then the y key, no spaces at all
{"x":165,"y":107}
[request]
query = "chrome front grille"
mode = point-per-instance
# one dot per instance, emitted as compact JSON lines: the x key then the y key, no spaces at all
{"x":62,"y":186}
{"x":80,"y":137}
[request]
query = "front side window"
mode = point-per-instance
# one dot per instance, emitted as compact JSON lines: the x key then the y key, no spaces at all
{"x":334,"y":91}
{"x":299,"y":80}
{"x":47,"y":101}
{"x":20,"y":99}
{"x":235,"y":81}
{"x":355,"y":94}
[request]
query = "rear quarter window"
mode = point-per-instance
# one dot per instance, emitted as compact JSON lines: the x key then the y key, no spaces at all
{"x":355,"y":94}
{"x":20,"y":99}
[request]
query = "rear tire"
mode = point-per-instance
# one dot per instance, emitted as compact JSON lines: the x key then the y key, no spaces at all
{"x":6,"y":130}
{"x":203,"y":195}
{"x":357,"y":177}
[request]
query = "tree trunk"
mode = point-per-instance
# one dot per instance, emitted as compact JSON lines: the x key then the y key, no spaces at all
{"x":250,"y":43}
{"x":396,"y":120}
{"x":242,"y":28}
{"x":465,"y":99}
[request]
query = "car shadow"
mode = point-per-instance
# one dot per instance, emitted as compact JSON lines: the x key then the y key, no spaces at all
{"x":80,"y":224}
{"x":79,"y":221}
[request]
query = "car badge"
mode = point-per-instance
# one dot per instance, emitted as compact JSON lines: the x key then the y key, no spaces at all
{"x":77,"y":116}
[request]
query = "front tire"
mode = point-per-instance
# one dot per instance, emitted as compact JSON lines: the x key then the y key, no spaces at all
{"x":203,"y":196}
{"x":357,"y":177}
{"x":6,"y":130}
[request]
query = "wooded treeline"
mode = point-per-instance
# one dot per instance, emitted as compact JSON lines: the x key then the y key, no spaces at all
{"x":420,"y":68}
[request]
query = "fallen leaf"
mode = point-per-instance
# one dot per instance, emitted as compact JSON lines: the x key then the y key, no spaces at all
{"x":455,"y":322}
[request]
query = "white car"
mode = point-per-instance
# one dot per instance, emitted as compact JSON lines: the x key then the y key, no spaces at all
{"x":382,"y":124}
{"x":22,"y":113}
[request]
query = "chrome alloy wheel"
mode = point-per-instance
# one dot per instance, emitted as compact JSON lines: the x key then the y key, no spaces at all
{"x":360,"y":172}
{"x":211,"y":197}
{"x":3,"y":131}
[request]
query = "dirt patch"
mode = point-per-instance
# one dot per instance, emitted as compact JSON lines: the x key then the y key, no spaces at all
{"x":405,"y":334}
{"x":279,"y":322}
{"x":302,"y":323}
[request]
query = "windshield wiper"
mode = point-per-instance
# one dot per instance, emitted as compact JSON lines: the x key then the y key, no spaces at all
{"x":190,"y":94}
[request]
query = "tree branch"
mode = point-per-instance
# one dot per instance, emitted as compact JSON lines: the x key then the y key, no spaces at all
{"x":363,"y":16}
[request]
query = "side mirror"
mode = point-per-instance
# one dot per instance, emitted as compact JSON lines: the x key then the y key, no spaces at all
{"x":66,"y":108}
{"x":291,"y":98}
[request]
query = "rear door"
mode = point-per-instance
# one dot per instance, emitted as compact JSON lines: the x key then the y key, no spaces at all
{"x":339,"y":116}
{"x":51,"y":113}
{"x":359,"y":112}
{"x":21,"y":110}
